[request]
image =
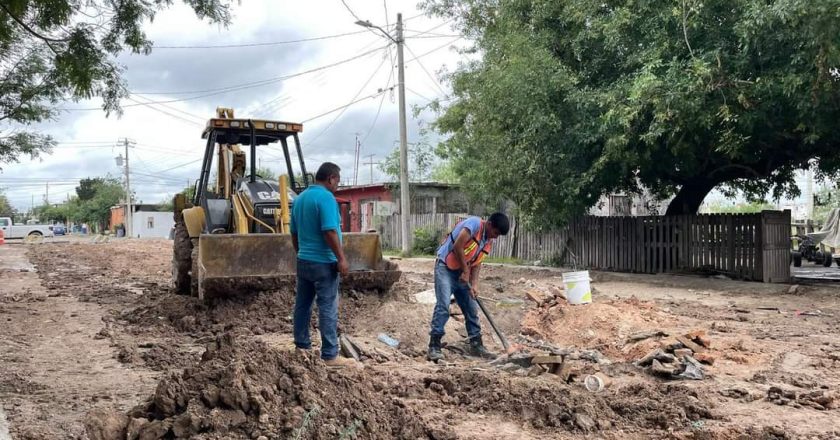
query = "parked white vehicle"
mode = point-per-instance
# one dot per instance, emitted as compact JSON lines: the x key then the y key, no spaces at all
{"x":21,"y":231}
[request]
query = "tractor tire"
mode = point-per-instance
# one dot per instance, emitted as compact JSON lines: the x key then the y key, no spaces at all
{"x":182,"y":260}
{"x":797,"y":259}
{"x":827,"y":260}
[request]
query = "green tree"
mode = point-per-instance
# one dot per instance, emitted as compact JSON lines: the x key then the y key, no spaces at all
{"x":738,"y":208}
{"x":55,"y":50}
{"x":445,"y":172}
{"x":87,"y":187}
{"x":6,"y":209}
{"x":421,"y":157}
{"x":570,"y":100}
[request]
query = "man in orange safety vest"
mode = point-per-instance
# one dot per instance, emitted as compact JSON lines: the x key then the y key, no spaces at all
{"x":457,"y":266}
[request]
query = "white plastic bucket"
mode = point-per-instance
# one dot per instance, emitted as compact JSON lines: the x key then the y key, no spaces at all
{"x":577,"y":287}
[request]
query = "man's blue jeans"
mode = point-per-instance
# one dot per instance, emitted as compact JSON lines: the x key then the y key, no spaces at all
{"x":317,"y":282}
{"x":447,"y":283}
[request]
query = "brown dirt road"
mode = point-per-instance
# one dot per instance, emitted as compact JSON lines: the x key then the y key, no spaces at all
{"x":95,"y":327}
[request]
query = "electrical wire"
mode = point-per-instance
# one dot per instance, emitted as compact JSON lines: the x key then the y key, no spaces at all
{"x":361,"y":89}
{"x":237,"y":87}
{"x":261,"y":44}
{"x":434,"y":80}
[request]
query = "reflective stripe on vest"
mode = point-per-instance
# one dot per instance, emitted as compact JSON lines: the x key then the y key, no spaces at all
{"x":472,"y":254}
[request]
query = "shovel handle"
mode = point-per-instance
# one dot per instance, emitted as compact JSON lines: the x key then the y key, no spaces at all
{"x":491,"y":321}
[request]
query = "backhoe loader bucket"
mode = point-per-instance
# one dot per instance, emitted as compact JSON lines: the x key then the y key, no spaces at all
{"x":229,"y":264}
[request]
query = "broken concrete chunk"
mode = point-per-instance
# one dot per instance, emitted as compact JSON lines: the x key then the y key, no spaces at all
{"x":657,"y":354}
{"x":641,"y":336}
{"x":662,"y":370}
{"x":693,"y":372}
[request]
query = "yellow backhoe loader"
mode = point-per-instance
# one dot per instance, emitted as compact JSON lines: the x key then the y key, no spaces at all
{"x":232,"y":235}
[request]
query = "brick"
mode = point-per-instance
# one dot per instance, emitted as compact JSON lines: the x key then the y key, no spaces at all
{"x":680,"y":352}
{"x":535,"y":296}
{"x":547,"y":360}
{"x":704,"y":341}
{"x":569,"y":371}
{"x":688,"y":343}
{"x":705,"y":358}
{"x":694,"y":334}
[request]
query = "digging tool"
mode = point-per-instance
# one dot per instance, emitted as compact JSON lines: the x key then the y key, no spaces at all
{"x":492,"y":322}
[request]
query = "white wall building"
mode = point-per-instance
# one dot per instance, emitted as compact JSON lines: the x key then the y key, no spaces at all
{"x":152,"y":224}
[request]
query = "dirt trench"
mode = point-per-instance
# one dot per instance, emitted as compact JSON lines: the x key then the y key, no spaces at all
{"x":182,"y":369}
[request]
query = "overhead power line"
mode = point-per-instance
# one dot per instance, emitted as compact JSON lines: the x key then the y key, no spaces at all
{"x":242,"y":86}
{"x":434,"y":80}
{"x":381,"y":91}
{"x":259,"y":44}
{"x":361,"y":89}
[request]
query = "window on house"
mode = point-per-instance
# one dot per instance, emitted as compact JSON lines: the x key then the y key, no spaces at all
{"x":150,"y":223}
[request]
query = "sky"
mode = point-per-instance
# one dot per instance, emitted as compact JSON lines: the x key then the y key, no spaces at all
{"x":180,"y":88}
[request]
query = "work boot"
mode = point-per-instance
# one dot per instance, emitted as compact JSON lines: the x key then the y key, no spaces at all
{"x":477,"y":349}
{"x":342,"y":362}
{"x":435,"y":354}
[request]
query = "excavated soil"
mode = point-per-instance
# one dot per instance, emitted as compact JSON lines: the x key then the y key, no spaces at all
{"x":97,"y":346}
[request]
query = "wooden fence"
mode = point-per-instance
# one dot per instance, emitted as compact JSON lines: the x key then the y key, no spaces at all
{"x":746,"y":246}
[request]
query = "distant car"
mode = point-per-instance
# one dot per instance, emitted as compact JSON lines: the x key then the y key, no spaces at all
{"x":59,"y":230}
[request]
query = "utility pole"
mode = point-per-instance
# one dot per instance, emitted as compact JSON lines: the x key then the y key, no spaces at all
{"x":356,"y":161}
{"x":129,"y":215}
{"x":405,"y":202}
{"x":47,"y":195}
{"x":405,"y":205}
{"x":371,"y":163}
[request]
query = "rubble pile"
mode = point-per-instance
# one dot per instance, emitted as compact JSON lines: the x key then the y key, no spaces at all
{"x":568,"y":364}
{"x":681,"y":357}
{"x":818,"y":399}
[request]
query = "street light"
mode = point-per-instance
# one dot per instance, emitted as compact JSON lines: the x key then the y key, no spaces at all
{"x":405,"y":205}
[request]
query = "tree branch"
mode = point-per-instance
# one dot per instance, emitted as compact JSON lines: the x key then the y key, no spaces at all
{"x":30,"y":30}
{"x":685,"y":29}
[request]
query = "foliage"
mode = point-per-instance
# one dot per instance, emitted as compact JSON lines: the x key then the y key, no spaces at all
{"x":6,"y":209}
{"x":54,"y":50}
{"x":826,"y":199}
{"x":267,"y":173}
{"x":420,"y":160}
{"x":426,"y":241}
{"x":52,"y":213}
{"x":568,"y":100}
{"x":445,"y":172}
{"x":740,"y":208}
{"x":87,"y":187}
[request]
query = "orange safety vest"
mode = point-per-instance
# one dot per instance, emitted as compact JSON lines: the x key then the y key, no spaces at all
{"x":472,"y":254}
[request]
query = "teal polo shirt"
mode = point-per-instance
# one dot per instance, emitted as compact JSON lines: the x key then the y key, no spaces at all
{"x":314,"y":212}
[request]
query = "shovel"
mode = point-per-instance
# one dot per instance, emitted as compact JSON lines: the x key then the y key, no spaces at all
{"x":492,"y":322}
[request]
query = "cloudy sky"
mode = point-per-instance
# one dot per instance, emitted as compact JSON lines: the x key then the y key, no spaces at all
{"x":186,"y":84}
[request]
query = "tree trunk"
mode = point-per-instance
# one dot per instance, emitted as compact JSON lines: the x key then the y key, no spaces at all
{"x":690,"y":197}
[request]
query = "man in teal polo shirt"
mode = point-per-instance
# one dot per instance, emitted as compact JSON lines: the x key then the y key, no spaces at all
{"x":316,"y":236}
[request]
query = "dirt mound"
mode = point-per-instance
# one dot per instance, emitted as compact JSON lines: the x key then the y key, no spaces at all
{"x":245,"y":389}
{"x":257,"y":313}
{"x":544,"y":404}
{"x":603,"y":325}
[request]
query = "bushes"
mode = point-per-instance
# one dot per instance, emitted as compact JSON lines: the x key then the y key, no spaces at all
{"x":426,"y":241}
